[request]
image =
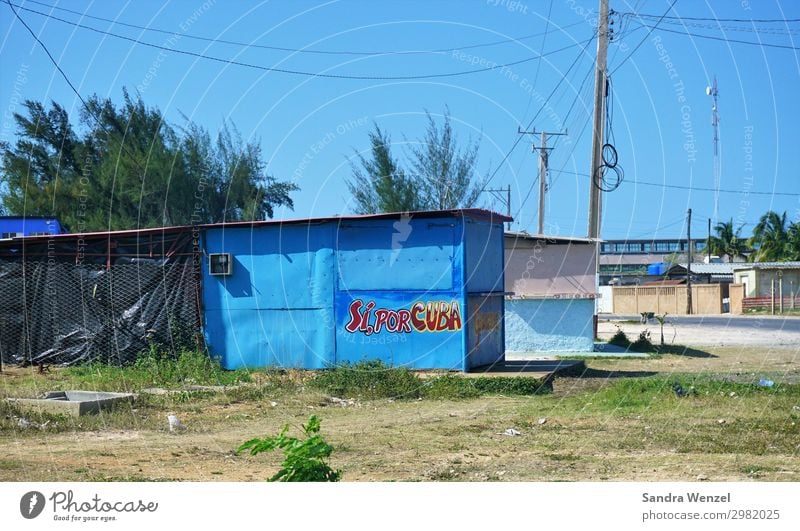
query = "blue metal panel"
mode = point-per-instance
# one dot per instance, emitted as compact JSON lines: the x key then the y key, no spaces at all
{"x":484,"y":256}
{"x":485,"y":331}
{"x":403,"y":328}
{"x":273,"y":267}
{"x":270,"y":338}
{"x":276,"y":306}
{"x":549,"y":325}
{"x":406,"y":254}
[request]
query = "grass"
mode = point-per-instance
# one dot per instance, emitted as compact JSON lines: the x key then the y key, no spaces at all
{"x":373,"y":379}
{"x":437,"y":426}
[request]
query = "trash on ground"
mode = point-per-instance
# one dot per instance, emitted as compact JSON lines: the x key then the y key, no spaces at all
{"x":511,"y":432}
{"x":174,"y":423}
{"x":541,"y":421}
{"x":764,"y":382}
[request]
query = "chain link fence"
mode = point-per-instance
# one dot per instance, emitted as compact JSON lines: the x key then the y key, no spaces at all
{"x":57,"y":312}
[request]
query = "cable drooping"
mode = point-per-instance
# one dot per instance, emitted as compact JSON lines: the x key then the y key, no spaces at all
{"x":609,"y":175}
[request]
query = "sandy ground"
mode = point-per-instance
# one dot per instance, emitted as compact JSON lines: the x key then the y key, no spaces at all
{"x":705,"y":334}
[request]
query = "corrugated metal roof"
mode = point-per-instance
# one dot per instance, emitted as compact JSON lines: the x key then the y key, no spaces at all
{"x":550,"y":238}
{"x":710,"y":269}
{"x":767,"y":265}
{"x":474,"y":213}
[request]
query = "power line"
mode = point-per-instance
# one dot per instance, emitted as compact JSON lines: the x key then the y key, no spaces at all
{"x":519,"y":137}
{"x":645,"y":37}
{"x":286,"y":49}
{"x":693,"y":188}
{"x":750,"y":29}
{"x":312,"y":74}
{"x":724,"y":39}
{"x":713,"y":19}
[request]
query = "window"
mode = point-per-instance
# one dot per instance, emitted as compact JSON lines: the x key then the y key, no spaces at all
{"x":8,"y":235}
{"x":220,"y":264}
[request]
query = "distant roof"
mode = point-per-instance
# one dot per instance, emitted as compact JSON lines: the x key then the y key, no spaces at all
{"x":29,"y":217}
{"x":710,"y":269}
{"x":666,"y":282}
{"x":767,"y":265}
{"x":547,"y":238}
{"x":474,"y":213}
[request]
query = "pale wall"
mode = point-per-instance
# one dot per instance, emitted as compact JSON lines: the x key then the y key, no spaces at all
{"x":549,"y":325}
{"x":540,"y":268}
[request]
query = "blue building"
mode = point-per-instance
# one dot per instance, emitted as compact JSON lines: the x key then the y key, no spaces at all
{"x":19,"y":226}
{"x":422,"y":290}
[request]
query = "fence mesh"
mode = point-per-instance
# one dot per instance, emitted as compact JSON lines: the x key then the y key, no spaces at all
{"x":57,"y":312}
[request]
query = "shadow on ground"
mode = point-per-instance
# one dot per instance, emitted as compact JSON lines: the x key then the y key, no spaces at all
{"x":686,"y":351}
{"x":600,"y":373}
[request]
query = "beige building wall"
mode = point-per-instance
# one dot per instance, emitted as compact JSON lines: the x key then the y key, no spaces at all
{"x":736,"y":295}
{"x":706,"y":299}
{"x":538,"y":267}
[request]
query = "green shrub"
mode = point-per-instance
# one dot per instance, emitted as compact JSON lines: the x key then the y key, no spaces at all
{"x":620,"y":339}
{"x":369,"y":379}
{"x":304,"y":460}
{"x":642,"y":343}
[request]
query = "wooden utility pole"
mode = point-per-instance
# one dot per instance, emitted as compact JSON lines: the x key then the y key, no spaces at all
{"x":544,"y":154}
{"x":708,"y":242}
{"x":689,"y":265}
{"x":595,"y":193}
{"x":505,"y":198}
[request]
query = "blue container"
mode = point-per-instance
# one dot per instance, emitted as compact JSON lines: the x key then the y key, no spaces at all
{"x":422,"y":290}
{"x":19,"y":226}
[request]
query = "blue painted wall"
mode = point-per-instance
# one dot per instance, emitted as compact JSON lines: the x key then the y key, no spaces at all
{"x":314,"y":295}
{"x":275,"y":309}
{"x":13,"y":225}
{"x":549,"y":325}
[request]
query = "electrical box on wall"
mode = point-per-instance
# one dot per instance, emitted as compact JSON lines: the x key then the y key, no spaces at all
{"x":220,"y":264}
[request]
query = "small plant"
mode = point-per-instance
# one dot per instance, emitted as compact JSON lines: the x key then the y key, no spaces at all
{"x":661,"y":320}
{"x":620,"y":339}
{"x":304,"y":460}
{"x":642,"y":343}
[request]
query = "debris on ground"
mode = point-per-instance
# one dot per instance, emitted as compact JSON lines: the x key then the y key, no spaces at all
{"x":680,"y":391}
{"x":273,"y":403}
{"x":511,"y":432}
{"x":764,"y":382}
{"x":174,"y":423}
{"x":541,"y":421}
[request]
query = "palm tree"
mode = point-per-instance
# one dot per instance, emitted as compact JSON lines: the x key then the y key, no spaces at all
{"x":727,"y":241}
{"x":770,"y":238}
{"x":793,"y":243}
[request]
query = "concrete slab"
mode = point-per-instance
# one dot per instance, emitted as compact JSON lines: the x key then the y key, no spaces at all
{"x":544,"y":367}
{"x":74,"y":403}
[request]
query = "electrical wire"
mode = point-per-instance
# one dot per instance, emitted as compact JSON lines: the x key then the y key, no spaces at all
{"x":693,"y":188}
{"x":286,"y":49}
{"x":712,"y":19}
{"x":539,"y":62}
{"x":519,"y":137}
{"x":645,"y":37}
{"x":315,"y":74}
{"x":725,"y":39}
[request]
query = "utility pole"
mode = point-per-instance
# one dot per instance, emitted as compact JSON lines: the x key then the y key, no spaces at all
{"x":595,"y":193}
{"x":714,"y":93}
{"x":689,"y":265}
{"x":708,"y":242}
{"x":507,"y":200}
{"x":544,"y":155}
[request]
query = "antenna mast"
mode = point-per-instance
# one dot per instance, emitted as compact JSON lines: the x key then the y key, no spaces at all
{"x":713,"y":92}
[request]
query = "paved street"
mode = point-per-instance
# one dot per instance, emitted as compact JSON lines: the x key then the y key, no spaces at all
{"x":710,"y":330}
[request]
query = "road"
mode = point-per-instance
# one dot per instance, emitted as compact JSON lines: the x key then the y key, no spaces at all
{"x":711,"y":330}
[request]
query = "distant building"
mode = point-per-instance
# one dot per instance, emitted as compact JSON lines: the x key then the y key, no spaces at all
{"x":625,"y":262}
{"x":19,"y":226}
{"x":758,"y":277}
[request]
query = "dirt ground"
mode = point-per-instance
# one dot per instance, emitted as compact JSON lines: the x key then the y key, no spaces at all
{"x":563,"y":435}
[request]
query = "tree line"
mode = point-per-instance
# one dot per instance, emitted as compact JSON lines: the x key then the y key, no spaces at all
{"x":772,"y":240}
{"x":123,"y":167}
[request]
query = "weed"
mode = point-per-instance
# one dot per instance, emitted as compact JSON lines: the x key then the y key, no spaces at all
{"x":642,"y":343}
{"x":304,"y":460}
{"x":369,"y":379}
{"x":619,"y":339}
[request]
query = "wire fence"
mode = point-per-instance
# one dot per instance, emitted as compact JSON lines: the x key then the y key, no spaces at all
{"x":62,"y":313}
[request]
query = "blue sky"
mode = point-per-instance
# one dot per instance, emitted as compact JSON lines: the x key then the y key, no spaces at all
{"x":309,"y":127}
